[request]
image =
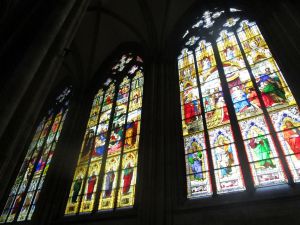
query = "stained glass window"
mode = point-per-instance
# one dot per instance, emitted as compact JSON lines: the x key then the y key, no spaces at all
{"x":106,"y":171}
{"x":25,"y":192}
{"x":229,"y":79}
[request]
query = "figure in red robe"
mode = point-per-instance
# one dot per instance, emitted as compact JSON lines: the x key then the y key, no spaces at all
{"x":108,"y":100}
{"x":292,"y":137}
{"x":268,"y":100}
{"x":56,"y":124}
{"x":17,"y":203}
{"x":91,"y":184}
{"x":191,"y":109}
{"x":252,"y":96}
{"x":127,"y":177}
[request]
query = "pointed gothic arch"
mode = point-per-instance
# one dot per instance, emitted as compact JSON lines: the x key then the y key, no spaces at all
{"x":28,"y":184}
{"x":235,"y":104}
{"x":105,"y":176}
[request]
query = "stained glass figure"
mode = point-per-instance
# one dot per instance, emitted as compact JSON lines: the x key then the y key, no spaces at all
{"x":225,"y":159}
{"x":286,"y":123}
{"x":262,"y":154}
{"x":199,"y":183}
{"x":274,"y":90}
{"x":128,"y":179}
{"x":23,"y":197}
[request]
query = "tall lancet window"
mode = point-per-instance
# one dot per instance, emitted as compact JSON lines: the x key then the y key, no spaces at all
{"x":25,"y":192}
{"x":234,"y":94}
{"x":106,"y":171}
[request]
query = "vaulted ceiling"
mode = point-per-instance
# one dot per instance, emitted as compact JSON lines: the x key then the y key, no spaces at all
{"x":152,"y":24}
{"x":109,"y":23}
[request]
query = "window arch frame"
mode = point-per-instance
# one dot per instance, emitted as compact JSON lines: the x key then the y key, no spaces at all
{"x":230,"y":197}
{"x":106,"y":72}
{"x":56,"y":106}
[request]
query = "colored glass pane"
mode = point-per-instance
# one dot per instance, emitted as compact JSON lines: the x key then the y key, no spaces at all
{"x":24,"y":194}
{"x":286,"y":122}
{"x":197,"y":168}
{"x":225,"y":160}
{"x":261,"y":152}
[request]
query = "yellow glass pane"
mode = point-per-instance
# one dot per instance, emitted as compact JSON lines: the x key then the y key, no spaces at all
{"x":129,"y":159}
{"x":72,"y":207}
{"x":107,"y":200}
{"x":131,"y":143}
{"x":126,"y":199}
{"x":87,"y":203}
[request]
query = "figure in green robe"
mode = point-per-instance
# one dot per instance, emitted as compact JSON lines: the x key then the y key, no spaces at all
{"x":272,"y":86}
{"x":262,"y":150}
{"x":76,"y":189}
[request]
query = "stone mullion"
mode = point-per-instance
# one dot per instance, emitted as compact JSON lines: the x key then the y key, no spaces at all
{"x":48,"y":154}
{"x":55,"y":194}
{"x":105,"y":155}
{"x":64,"y":38}
{"x":266,"y":115}
{"x":40,"y":153}
{"x":103,"y":160}
{"x":31,"y":63}
{"x":119,"y":172}
{"x":21,"y":181}
{"x":150,"y":183}
{"x":238,"y":140}
{"x":43,"y":82}
{"x":205,"y":131}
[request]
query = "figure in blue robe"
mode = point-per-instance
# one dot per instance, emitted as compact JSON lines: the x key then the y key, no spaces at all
{"x":240,"y":100}
{"x":100,"y":149}
{"x":195,"y":161}
{"x":109,"y":180}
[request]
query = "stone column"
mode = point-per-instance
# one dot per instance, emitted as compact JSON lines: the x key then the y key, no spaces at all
{"x":151,"y":179}
{"x":27,"y":68}
{"x":44,"y":64}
